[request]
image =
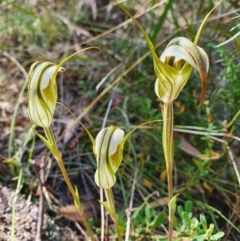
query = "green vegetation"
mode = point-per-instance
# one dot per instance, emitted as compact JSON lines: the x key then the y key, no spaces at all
{"x":115,"y":87}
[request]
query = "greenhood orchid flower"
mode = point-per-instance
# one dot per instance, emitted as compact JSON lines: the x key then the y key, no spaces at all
{"x":42,"y":90}
{"x":175,"y":67}
{"x":108,"y":150}
{"x":42,"y":93}
{"x":175,"y":64}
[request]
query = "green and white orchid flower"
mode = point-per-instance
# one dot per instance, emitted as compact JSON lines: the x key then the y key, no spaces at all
{"x":108,"y":150}
{"x":42,"y":90}
{"x":42,"y":93}
{"x":175,"y":67}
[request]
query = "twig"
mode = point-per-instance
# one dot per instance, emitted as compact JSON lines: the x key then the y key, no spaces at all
{"x":234,"y":163}
{"x":82,"y":231}
{"x":205,"y":133}
{"x":128,"y":211}
{"x":41,"y":178}
{"x":106,"y":229}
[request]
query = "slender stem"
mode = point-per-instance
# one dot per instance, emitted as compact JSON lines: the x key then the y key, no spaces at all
{"x":50,"y":136}
{"x":102,"y":216}
{"x":111,"y":202}
{"x":18,"y":189}
{"x":58,"y":157}
{"x":167,"y":137}
{"x":127,"y":233}
{"x":233,"y":119}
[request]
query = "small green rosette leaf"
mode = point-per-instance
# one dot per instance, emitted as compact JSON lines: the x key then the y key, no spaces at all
{"x":108,"y":150}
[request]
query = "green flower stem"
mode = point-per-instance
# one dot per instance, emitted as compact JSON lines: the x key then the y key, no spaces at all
{"x":167,"y":138}
{"x":233,"y":119}
{"x":111,"y":202}
{"x":58,"y":157}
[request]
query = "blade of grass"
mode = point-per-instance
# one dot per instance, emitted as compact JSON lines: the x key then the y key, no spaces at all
{"x":158,"y":27}
{"x":11,"y":136}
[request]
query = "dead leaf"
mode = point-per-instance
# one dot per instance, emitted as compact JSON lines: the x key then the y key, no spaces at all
{"x":70,"y":212}
{"x":159,"y":202}
{"x":185,"y":146}
{"x":69,"y":130}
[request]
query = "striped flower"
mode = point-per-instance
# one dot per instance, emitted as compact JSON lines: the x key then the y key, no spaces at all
{"x":174,"y":68}
{"x":108,"y":150}
{"x":42,"y":93}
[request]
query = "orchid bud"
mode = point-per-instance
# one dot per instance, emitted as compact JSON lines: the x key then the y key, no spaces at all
{"x":175,"y":67}
{"x":108,"y":150}
{"x":42,"y":93}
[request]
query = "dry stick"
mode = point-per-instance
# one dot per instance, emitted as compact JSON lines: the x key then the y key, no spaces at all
{"x":81,"y":230}
{"x":41,"y":178}
{"x":107,"y":229}
{"x":128,"y":211}
{"x":234,"y":163}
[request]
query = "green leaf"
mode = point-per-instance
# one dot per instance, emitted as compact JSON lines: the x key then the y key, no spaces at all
{"x":175,"y":221}
{"x":203,"y":222}
{"x":158,"y":220}
{"x":161,"y":20}
{"x":108,"y":208}
{"x":91,"y":223}
{"x":148,"y":213}
{"x":180,"y":210}
{"x":194,"y":223}
{"x":55,"y":152}
{"x":186,"y":219}
{"x":217,"y":236}
{"x":188,"y":206}
{"x":210,"y":231}
{"x":172,"y":205}
{"x":137,"y":216}
{"x":204,"y":21}
{"x":200,"y":238}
